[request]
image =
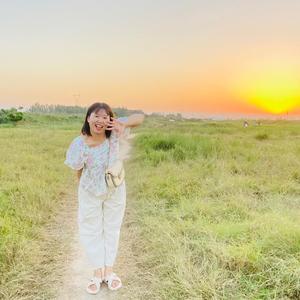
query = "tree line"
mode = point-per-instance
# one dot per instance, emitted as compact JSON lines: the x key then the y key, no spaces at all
{"x":64,"y":109}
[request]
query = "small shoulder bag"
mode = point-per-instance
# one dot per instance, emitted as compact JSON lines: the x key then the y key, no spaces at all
{"x":114,"y":174}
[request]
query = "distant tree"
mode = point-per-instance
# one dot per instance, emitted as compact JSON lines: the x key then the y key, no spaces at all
{"x":56,"y":109}
{"x":10,"y":115}
{"x":177,"y":116}
{"x":64,"y":109}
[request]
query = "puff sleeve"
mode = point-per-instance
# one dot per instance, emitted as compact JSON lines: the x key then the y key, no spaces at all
{"x":76,"y":156}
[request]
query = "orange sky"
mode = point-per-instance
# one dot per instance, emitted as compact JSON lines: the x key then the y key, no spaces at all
{"x":170,"y":56}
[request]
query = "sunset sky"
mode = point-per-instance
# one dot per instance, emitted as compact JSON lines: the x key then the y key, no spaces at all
{"x":222,"y":56}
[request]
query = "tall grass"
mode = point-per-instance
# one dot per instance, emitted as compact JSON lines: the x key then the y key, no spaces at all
{"x":221,"y":220}
{"x":33,"y":182}
{"x":216,"y":206}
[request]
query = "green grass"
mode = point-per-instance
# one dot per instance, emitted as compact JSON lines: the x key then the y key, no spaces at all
{"x":33,"y":180}
{"x":220,"y":220}
{"x":216,"y":205}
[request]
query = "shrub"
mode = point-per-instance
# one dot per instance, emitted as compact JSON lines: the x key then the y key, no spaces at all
{"x":157,"y":148}
{"x":262,"y":136}
{"x":10,"y":115}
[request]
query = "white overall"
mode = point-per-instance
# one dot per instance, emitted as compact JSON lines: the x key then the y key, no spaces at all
{"x":99,"y":221}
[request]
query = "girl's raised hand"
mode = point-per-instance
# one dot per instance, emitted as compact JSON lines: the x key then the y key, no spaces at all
{"x":115,"y":125}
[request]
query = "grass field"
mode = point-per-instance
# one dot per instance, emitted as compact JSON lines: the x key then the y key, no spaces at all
{"x":216,"y":205}
{"x":33,"y":181}
{"x":218,"y":209}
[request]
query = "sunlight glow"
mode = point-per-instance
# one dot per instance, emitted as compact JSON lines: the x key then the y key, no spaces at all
{"x":273,"y":90}
{"x":276,"y":94}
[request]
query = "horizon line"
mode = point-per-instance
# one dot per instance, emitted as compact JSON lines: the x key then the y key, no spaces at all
{"x":192,"y":114}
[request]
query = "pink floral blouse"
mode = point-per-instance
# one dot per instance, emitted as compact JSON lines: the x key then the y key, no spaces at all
{"x":94,"y":160}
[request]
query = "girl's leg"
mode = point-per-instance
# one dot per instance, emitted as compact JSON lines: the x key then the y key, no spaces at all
{"x":90,"y":223}
{"x":113,"y":213}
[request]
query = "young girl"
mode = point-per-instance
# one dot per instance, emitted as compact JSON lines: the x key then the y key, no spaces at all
{"x":101,"y":209}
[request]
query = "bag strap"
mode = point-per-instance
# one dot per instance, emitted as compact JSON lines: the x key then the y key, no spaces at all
{"x":109,"y":152}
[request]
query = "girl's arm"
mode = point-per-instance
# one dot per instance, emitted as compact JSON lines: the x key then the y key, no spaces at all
{"x":134,"y":120}
{"x":120,"y":125}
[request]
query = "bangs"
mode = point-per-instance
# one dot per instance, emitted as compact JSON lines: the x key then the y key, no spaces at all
{"x":97,"y":109}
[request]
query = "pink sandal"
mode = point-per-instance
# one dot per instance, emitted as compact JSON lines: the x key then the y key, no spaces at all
{"x":109,"y":280}
{"x":97,"y":282}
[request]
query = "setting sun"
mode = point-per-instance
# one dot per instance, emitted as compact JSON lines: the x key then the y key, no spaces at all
{"x":276,"y":94}
{"x":273,"y":90}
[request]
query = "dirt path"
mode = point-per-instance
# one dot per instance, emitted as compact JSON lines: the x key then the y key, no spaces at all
{"x":77,"y":271}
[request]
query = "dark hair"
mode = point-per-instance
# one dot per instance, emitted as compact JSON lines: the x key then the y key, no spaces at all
{"x":95,"y":107}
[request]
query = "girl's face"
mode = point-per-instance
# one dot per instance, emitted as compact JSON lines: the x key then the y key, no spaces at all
{"x":98,"y":121}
